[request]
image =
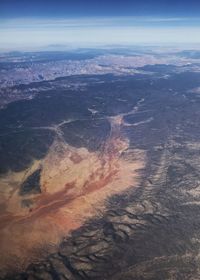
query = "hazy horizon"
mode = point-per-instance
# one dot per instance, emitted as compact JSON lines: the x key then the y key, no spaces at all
{"x":38,"y":24}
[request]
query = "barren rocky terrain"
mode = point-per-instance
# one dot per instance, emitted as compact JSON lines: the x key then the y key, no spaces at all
{"x":101,"y":180}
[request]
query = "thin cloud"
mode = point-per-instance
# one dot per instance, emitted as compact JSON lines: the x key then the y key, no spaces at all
{"x":28,"y":32}
{"x":93,"y":21}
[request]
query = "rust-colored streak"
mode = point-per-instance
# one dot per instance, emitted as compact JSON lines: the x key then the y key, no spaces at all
{"x":52,"y":202}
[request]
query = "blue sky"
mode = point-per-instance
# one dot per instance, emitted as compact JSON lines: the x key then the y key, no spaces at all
{"x":57,"y":8}
{"x":26,"y":24}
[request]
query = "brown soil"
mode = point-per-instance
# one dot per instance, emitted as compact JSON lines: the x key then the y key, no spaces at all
{"x":75,"y":185}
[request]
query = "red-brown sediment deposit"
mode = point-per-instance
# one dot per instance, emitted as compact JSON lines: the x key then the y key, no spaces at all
{"x":75,"y":184}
